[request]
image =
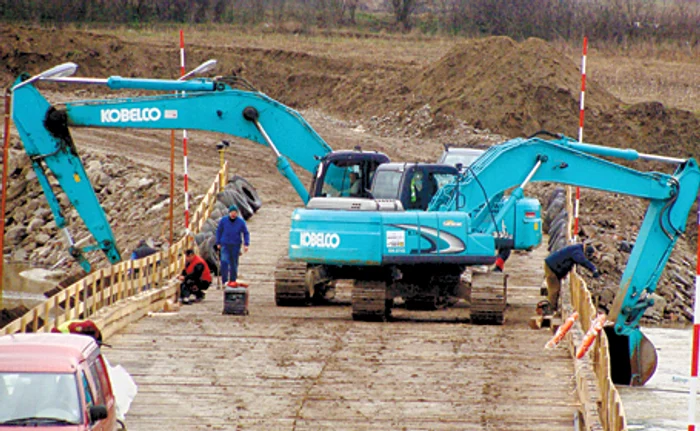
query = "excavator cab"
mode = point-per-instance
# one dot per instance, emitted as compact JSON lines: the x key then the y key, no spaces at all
{"x":346,"y":174}
{"x":414,"y":184}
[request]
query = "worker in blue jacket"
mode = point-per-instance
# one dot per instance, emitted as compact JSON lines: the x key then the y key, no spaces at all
{"x":558,"y":265}
{"x":231,"y":234}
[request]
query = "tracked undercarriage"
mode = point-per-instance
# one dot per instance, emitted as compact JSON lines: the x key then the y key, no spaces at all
{"x":370,"y":301}
{"x":299,"y":284}
{"x":488,"y":297}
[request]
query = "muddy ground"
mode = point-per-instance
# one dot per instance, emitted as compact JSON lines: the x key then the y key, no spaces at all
{"x":475,"y":92}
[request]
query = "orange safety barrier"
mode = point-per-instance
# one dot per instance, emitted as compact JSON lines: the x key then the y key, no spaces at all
{"x":591,"y":335}
{"x":561,"y":331}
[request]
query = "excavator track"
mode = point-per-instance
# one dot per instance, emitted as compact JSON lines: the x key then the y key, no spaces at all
{"x":290,"y":286}
{"x":488,"y":298}
{"x":369,"y":301}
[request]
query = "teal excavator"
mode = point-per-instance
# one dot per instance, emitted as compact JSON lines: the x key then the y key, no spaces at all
{"x":379,"y":238}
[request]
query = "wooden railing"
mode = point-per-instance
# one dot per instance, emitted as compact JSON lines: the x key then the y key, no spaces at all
{"x":150,"y":276}
{"x":603,"y":399}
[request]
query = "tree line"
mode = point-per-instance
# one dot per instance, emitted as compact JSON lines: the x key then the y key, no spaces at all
{"x":617,"y":21}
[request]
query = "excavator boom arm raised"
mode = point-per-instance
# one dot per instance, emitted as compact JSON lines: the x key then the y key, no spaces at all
{"x":209,"y":105}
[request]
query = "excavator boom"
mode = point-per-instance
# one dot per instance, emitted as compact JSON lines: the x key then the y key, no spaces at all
{"x":201,"y":104}
{"x":564,"y":161}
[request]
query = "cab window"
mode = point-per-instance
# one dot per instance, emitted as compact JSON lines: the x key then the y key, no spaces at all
{"x":386,"y":184}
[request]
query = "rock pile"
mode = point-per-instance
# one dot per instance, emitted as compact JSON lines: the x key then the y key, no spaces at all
{"x":614,"y":237}
{"x":135,"y":199}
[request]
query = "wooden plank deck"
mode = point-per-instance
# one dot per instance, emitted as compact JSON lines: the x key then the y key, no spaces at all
{"x":315,"y":369}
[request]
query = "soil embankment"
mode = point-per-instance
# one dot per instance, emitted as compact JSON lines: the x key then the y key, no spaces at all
{"x":479,"y":92}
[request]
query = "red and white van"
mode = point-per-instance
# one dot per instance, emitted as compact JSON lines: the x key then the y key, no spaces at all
{"x":54,"y":382}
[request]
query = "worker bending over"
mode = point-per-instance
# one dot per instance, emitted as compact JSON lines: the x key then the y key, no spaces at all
{"x":558,"y":265}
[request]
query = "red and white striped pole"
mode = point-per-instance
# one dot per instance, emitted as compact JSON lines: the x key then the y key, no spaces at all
{"x":184,"y":136}
{"x":580,"y":131}
{"x":696,"y":339}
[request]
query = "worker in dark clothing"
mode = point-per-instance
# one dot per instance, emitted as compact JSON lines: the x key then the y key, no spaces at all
{"x":196,"y":278}
{"x":142,"y":250}
{"x":558,"y":265}
{"x":231,"y":234}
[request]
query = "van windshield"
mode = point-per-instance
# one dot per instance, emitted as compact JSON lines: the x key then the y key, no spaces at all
{"x":26,"y":398}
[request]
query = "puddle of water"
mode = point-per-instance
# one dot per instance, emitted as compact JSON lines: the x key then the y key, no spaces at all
{"x":662,"y":404}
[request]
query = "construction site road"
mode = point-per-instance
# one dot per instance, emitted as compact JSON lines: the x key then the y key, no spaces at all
{"x":314,"y":368}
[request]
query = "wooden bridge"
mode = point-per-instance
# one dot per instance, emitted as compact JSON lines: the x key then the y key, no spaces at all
{"x":314,"y":368}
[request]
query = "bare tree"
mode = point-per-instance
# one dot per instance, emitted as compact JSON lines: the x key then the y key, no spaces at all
{"x":351,"y":7}
{"x":403,"y":9}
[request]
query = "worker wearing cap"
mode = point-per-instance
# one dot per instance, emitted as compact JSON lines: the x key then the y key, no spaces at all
{"x":558,"y":265}
{"x":231,"y":234}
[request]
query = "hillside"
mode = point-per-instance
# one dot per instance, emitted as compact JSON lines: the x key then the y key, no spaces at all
{"x":474,"y":91}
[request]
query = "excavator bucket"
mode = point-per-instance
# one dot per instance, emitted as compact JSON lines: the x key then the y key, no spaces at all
{"x":633,"y":357}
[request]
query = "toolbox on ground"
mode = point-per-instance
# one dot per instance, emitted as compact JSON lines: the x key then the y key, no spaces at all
{"x":236,"y":298}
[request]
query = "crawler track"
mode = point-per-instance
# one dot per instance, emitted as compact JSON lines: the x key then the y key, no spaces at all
{"x":369,"y":301}
{"x":290,"y":286}
{"x":488,"y":298}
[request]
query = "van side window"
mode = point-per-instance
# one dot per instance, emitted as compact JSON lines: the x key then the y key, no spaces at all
{"x":102,"y":375}
{"x":88,"y":393}
{"x":99,"y":391}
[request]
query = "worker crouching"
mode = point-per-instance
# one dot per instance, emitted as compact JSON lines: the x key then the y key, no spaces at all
{"x":196,"y":278}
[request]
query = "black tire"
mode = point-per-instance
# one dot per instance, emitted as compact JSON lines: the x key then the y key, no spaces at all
{"x":561,"y":243}
{"x":559,"y":191}
{"x":219,"y":206}
{"x":201,"y":237}
{"x":226,"y":199}
{"x":248,"y":191}
{"x":218,"y":213}
{"x":244,"y":207}
{"x":209,"y":226}
{"x":557,"y":227}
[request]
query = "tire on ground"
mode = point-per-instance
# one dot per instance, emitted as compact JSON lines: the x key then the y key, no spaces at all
{"x":209,"y":226}
{"x":201,"y":237}
{"x":209,"y":254}
{"x":217,"y":213}
{"x":552,"y":210}
{"x":558,"y":191}
{"x":244,"y":207}
{"x":561,"y":243}
{"x":247,"y":190}
{"x":225,"y":198}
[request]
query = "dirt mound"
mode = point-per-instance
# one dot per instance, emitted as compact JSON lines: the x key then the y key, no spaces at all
{"x":31,"y":50}
{"x":495,"y":85}
{"x":513,"y":88}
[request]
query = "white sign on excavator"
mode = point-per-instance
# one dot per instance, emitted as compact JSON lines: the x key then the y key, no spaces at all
{"x":134,"y":115}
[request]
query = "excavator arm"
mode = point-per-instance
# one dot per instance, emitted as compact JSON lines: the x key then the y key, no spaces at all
{"x":201,"y":104}
{"x":519,"y":161}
